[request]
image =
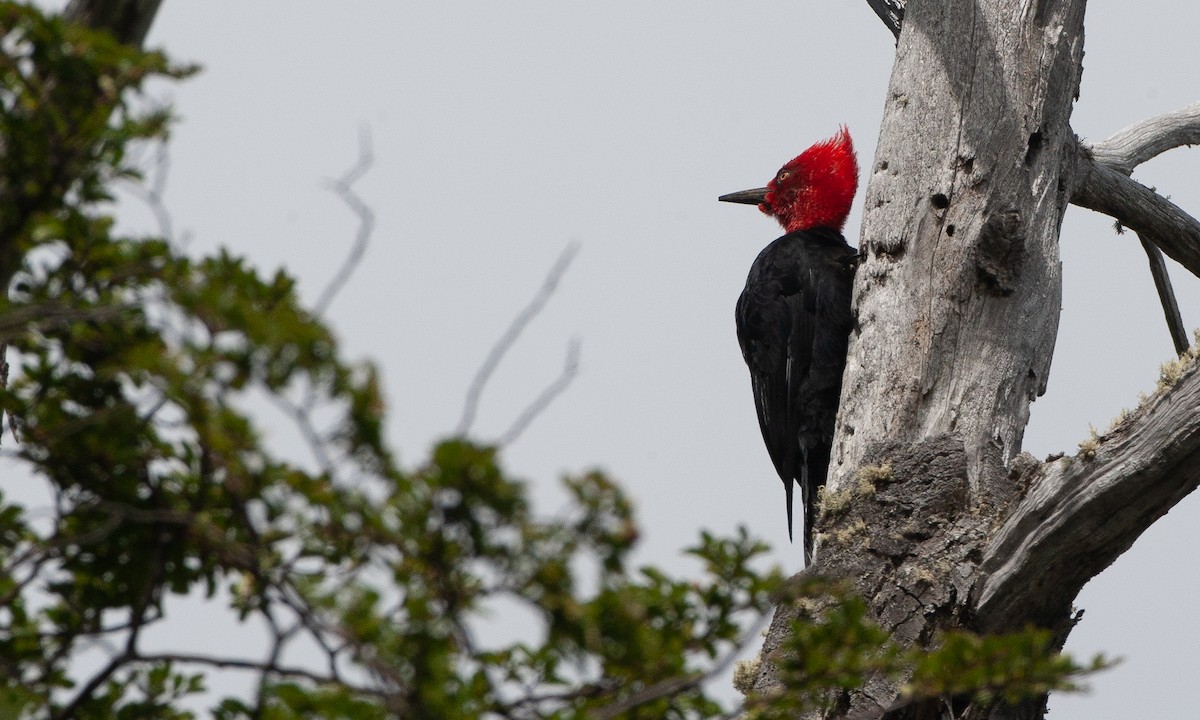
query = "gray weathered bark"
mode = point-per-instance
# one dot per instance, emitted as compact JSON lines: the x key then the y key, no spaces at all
{"x":1163,"y":224}
{"x":1080,"y":514}
{"x":1166,"y":296}
{"x":958,"y":297}
{"x":958,"y":300}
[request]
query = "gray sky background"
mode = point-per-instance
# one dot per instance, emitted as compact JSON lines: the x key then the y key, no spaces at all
{"x":504,"y":131}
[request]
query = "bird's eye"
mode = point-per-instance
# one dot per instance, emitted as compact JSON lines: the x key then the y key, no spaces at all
{"x":783,"y":175}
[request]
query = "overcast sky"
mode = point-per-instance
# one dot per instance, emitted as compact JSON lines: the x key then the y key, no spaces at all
{"x":504,"y":131}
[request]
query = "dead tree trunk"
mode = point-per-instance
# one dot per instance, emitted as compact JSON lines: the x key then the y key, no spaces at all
{"x":958,"y":302}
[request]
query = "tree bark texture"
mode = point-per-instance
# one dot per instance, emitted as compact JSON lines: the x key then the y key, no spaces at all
{"x":958,"y":297}
{"x":957,"y":301}
{"x":931,"y":512}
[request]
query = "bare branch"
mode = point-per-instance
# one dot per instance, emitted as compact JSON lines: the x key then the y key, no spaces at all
{"x":1137,"y":207}
{"x":344,"y":188}
{"x":510,"y":336}
{"x":47,"y":315}
{"x":891,"y":12}
{"x":543,"y":400}
{"x":279,"y":639}
{"x":661,"y":689}
{"x":1149,"y":138}
{"x":302,"y":416}
{"x":254,"y":666}
{"x":37,"y":557}
{"x":91,"y":687}
{"x":1123,"y":152}
{"x":4,"y":386}
{"x":1067,"y":528}
{"x":1166,"y":296}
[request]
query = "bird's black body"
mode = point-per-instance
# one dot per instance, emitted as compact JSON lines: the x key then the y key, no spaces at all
{"x":793,"y":323}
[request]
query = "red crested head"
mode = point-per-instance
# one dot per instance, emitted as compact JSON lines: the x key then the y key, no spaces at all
{"x":816,"y":188}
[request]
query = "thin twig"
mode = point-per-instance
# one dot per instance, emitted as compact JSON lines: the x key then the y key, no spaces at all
{"x":90,"y":688}
{"x":305,"y":617}
{"x":48,"y":316}
{"x":1166,"y":295}
{"x":344,"y":188}
{"x":255,"y":666}
{"x":304,"y":423}
{"x":12,"y":421}
{"x":272,"y":660}
{"x":543,"y":400}
{"x":138,"y":618}
{"x":532,"y":700}
{"x":152,"y":193}
{"x":510,"y":336}
{"x":18,"y":587}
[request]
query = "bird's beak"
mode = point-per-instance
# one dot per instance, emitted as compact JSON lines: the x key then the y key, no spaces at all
{"x":746,"y":197}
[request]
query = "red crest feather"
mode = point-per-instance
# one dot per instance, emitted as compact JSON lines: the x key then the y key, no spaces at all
{"x":817,"y":187}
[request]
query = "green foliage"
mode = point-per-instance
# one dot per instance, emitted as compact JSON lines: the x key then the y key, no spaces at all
{"x":66,"y":121}
{"x":135,"y":367}
{"x":835,"y":646}
{"x":1010,"y":667}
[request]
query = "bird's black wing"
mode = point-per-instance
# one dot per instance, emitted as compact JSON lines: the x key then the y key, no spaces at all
{"x":792,"y":334}
{"x":775,"y":324}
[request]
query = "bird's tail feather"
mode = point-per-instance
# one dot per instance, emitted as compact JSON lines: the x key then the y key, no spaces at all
{"x":806,"y":501}
{"x":813,"y":468}
{"x":787,"y":488}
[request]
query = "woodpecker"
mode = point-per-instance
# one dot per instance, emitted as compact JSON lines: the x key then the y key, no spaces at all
{"x":794,"y":318}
